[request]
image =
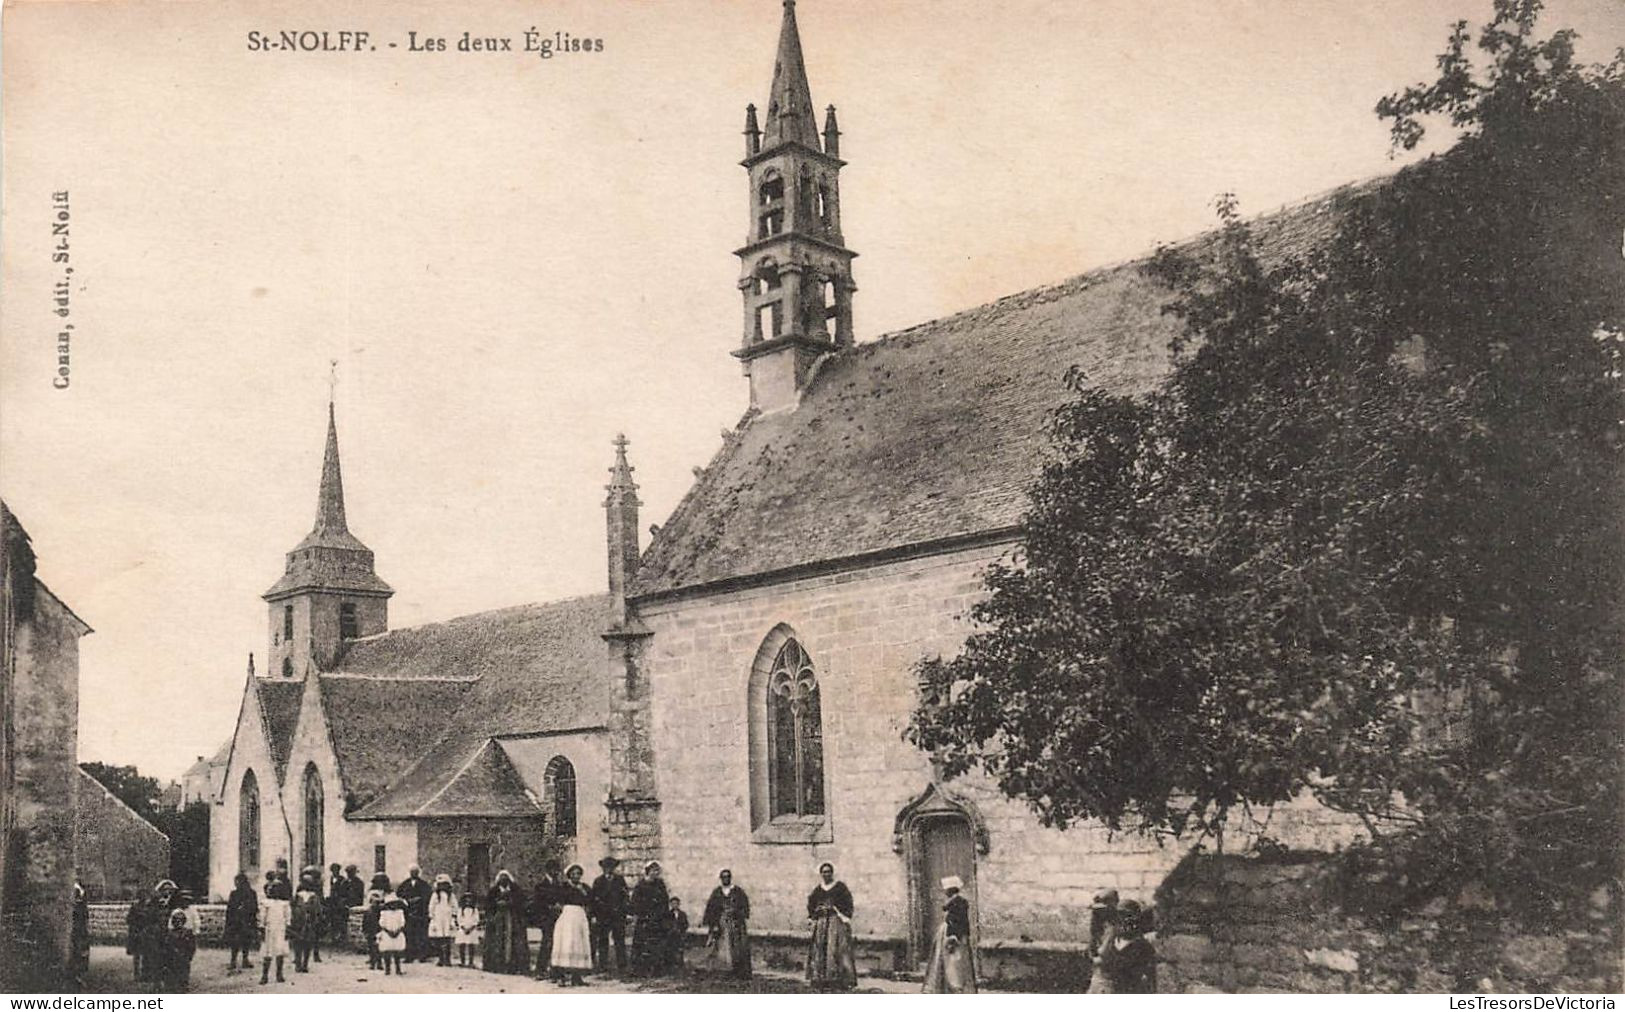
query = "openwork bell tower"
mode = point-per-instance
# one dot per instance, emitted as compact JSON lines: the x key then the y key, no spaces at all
{"x":795,"y":269}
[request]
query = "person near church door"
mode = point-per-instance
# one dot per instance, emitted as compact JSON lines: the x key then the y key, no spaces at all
{"x":952,"y":969}
{"x":392,"y":932}
{"x":830,"y":963}
{"x":572,"y":940}
{"x":338,"y":912}
{"x":727,"y":914}
{"x":468,"y":930}
{"x":544,"y":914}
{"x":442,"y":918}
{"x":1128,"y":963}
{"x":242,"y":922}
{"x":609,"y":902}
{"x":414,"y":891}
{"x":649,"y":904}
{"x":305,"y":919}
{"x":274,"y":917}
{"x":507,"y":950}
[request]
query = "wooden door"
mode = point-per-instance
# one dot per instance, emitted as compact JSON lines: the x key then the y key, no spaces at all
{"x":944,"y":846}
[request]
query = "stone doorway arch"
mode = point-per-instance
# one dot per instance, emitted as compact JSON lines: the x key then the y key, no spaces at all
{"x":937,"y":833}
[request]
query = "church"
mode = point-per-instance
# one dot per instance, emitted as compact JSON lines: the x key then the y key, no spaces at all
{"x":737,"y":696}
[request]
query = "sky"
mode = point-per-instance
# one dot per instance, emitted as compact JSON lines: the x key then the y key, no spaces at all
{"x":512,"y":259}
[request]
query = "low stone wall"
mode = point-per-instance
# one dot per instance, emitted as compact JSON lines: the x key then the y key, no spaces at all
{"x":107,"y":925}
{"x":1279,"y":924}
{"x":1030,"y":966}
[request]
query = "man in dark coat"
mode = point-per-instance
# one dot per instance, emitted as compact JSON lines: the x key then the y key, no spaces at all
{"x":355,"y":895}
{"x":415,"y":891}
{"x":338,"y":913}
{"x":609,"y":901}
{"x":544,"y":913}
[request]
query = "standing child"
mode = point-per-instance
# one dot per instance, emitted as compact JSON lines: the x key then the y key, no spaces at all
{"x":180,"y":942}
{"x":442,"y":918}
{"x":468,"y":930}
{"x":305,"y":923}
{"x":274,"y":926}
{"x":392,"y":932}
{"x":369,"y":920}
{"x":676,"y":936}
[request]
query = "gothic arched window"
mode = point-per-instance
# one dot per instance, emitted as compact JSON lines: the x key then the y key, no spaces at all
{"x":560,"y":782}
{"x":313,"y":815}
{"x":248,"y":825}
{"x":795,"y":735}
{"x":287,"y":667}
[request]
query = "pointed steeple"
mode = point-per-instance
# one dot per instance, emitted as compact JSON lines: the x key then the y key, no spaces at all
{"x":330,"y":499}
{"x":790,"y":115}
{"x":329,"y":591}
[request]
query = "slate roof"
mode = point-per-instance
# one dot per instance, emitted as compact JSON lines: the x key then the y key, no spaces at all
{"x":330,"y":557}
{"x":930,"y":433}
{"x":542,"y":668}
{"x":489,"y":785}
{"x":379,"y":726}
{"x":279,"y":703}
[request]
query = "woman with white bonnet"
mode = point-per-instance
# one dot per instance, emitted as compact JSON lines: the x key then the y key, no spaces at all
{"x":952,"y":969}
{"x":830,"y":965}
{"x":572,"y":937}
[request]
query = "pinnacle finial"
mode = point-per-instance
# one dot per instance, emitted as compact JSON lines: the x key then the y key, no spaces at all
{"x":620,"y":474}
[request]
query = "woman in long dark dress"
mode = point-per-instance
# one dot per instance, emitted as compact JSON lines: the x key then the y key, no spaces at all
{"x":830,"y":964}
{"x":135,"y":933}
{"x":952,"y":969}
{"x":242,"y":922}
{"x":727,"y":915}
{"x":650,"y":905}
{"x":507,"y":950}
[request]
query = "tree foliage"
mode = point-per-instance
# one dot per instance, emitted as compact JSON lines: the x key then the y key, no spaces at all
{"x":1368,"y":541}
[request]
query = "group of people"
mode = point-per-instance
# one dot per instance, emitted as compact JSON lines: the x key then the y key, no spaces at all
{"x":283,"y":918}
{"x":583,"y":928}
{"x":161,"y":932}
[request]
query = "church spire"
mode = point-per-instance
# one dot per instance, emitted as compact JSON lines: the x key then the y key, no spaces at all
{"x":795,"y":268}
{"x":330,"y":498}
{"x":790,"y":115}
{"x":329,"y":592}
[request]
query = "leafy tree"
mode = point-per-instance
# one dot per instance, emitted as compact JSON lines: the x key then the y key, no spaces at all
{"x":1368,"y":542}
{"x":128,"y":785}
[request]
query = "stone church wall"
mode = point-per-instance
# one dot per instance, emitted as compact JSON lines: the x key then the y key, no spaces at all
{"x":311,"y":746}
{"x":249,"y":754}
{"x":519,"y":845}
{"x":864,"y":630}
